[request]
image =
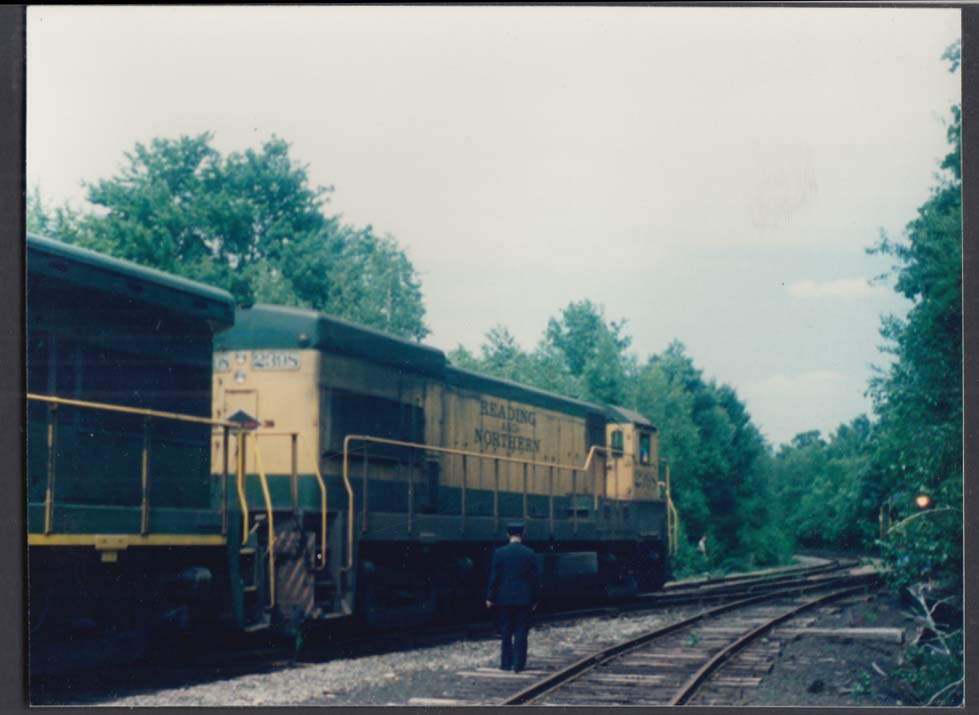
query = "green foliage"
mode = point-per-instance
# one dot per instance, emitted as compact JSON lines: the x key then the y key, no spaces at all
{"x":934,"y":674}
{"x":819,"y":484}
{"x":593,"y":350}
{"x":247,"y":222}
{"x":830,"y":493}
{"x":581,"y":355}
{"x":719,"y":461}
{"x":59,"y":222}
{"x":919,"y":549}
{"x":688,"y":561}
{"x":919,"y":399}
{"x":864,"y":685}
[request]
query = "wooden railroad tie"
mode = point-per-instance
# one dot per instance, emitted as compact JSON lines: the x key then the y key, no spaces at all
{"x":890,"y":635}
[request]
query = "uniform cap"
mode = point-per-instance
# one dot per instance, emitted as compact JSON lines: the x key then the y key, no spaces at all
{"x":514,"y":527}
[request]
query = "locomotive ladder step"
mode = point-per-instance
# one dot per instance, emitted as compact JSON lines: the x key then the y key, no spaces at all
{"x":258,"y":626}
{"x":246,"y":551}
{"x":250,"y":589}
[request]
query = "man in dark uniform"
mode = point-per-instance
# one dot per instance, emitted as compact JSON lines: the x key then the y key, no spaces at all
{"x":514,"y":588}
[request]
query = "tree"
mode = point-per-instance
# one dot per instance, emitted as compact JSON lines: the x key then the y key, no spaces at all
{"x":919,"y":399}
{"x":593,"y":350}
{"x":501,"y":356}
{"x":918,"y":441}
{"x":249,"y":223}
{"x":819,"y":486}
{"x":62,"y":222}
{"x":581,"y":356}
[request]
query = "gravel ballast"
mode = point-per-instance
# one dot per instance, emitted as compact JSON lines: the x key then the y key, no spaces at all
{"x":395,"y":678}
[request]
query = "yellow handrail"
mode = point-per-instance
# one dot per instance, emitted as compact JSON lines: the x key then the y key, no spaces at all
{"x":123,"y":409}
{"x":319,"y":479}
{"x":240,"y":478}
{"x":444,"y":450}
{"x":131,"y":410}
{"x":240,"y":482}
{"x":268,"y":511}
{"x":672,"y":517}
{"x":144,"y":509}
{"x":49,"y":488}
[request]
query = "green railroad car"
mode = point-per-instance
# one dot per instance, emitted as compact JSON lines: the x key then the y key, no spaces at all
{"x":126,"y":539}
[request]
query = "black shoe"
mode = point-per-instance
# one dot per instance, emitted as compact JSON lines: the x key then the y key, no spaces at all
{"x":517,"y":670}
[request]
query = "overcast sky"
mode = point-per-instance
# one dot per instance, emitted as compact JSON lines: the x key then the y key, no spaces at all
{"x":711,"y":175}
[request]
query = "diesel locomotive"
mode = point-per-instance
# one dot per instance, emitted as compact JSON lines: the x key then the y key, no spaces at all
{"x":379,"y":477}
{"x":193,"y":469}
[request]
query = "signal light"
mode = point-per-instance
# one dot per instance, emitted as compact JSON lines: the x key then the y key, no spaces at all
{"x":922,"y":501}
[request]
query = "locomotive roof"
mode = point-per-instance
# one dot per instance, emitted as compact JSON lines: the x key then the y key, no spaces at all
{"x":623,"y":414}
{"x":97,"y":272}
{"x":276,"y":327}
{"x":286,"y":328}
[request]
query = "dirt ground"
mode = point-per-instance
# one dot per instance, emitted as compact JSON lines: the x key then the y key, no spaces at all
{"x":823,"y":671}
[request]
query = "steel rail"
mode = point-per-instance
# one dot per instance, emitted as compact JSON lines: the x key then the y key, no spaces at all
{"x":696,"y":680}
{"x":742,"y":590}
{"x":537,"y":690}
{"x":736,"y":580}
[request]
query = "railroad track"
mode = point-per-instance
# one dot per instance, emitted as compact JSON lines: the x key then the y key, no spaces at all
{"x":201,"y":666}
{"x":670,"y":665}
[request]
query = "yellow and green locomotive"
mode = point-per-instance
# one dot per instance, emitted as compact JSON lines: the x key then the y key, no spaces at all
{"x":377,"y":477}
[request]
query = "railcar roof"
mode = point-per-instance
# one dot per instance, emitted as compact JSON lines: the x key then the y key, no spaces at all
{"x":98,"y":272}
{"x":275,"y":327}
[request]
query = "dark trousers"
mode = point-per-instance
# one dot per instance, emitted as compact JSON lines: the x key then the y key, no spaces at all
{"x":514,"y":623}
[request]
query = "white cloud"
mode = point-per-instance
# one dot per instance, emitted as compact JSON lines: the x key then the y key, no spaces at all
{"x":840,"y":288}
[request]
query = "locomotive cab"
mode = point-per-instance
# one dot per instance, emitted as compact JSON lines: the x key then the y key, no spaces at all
{"x":632,"y":467}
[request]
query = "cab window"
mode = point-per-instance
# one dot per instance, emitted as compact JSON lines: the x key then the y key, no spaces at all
{"x":617,"y":440}
{"x":644,"y":442}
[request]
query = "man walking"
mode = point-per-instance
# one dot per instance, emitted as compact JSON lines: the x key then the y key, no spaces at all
{"x":514,"y":589}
